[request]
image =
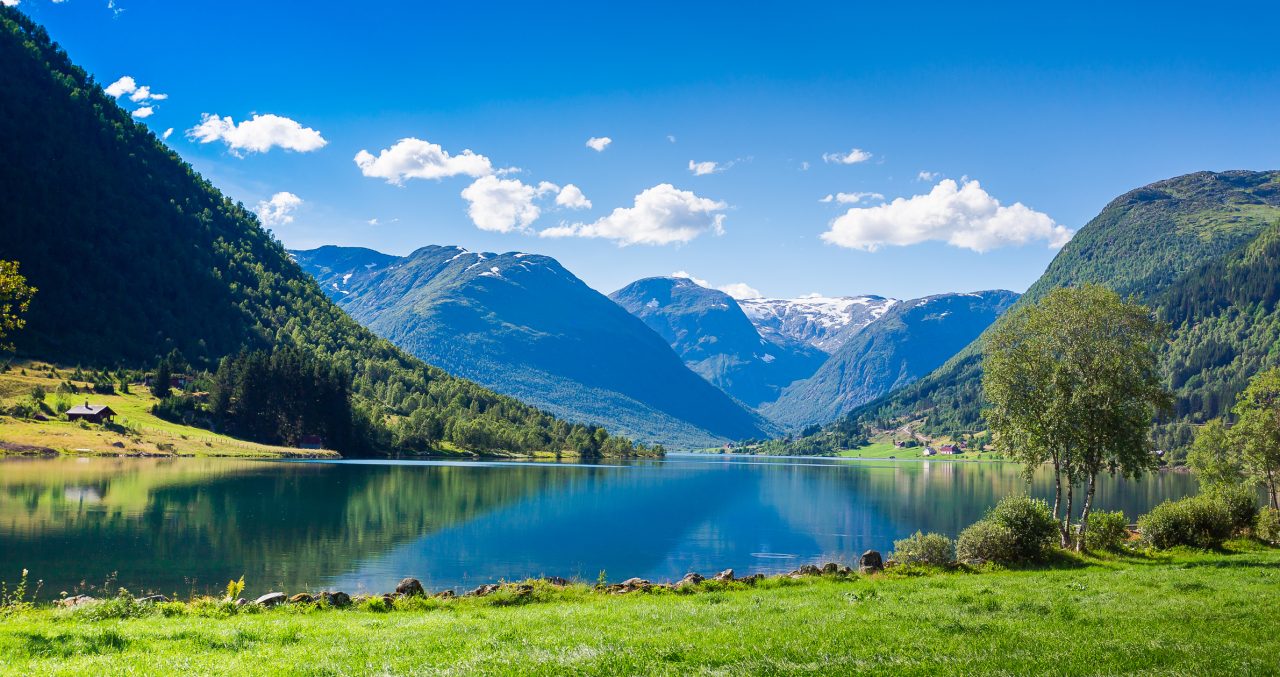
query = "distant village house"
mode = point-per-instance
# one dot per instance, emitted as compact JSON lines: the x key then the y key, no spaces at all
{"x":311,"y":442}
{"x":949,"y":449}
{"x":93,"y":413}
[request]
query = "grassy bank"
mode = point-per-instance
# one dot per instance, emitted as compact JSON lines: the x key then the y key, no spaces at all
{"x":138,"y":433}
{"x":1186,"y":613}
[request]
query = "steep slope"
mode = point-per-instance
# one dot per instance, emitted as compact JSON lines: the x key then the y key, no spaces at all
{"x":911,"y":340}
{"x":709,"y":331}
{"x":523,"y":325}
{"x":1145,"y":243}
{"x":135,"y":255}
{"x":822,"y":322}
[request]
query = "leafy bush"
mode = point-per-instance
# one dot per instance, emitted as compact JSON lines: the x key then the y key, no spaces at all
{"x":986,"y":541}
{"x":928,"y":549}
{"x":1267,"y":526}
{"x":1198,"y":522}
{"x":1240,"y":503}
{"x":1106,"y":530}
{"x":1031,"y":521}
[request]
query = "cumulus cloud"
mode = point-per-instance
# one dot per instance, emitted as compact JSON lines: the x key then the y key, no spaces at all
{"x":144,"y":93}
{"x":851,"y":198}
{"x":661,"y":215}
{"x":504,"y":205}
{"x":704,"y":168}
{"x":571,"y":197}
{"x":924,"y":175}
{"x":125,"y":85}
{"x":853,"y":157}
{"x":738,"y":290}
{"x":279,"y":209}
{"x":599,"y":143}
{"x":144,"y":112}
{"x":671,"y":138}
{"x":412,"y":158}
{"x":963,"y":216}
{"x":258,"y":135}
{"x":167,"y":133}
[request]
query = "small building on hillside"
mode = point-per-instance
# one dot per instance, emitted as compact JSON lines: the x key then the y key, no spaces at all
{"x":949,"y":449}
{"x":93,"y":413}
{"x":929,"y":451}
{"x":311,"y":442}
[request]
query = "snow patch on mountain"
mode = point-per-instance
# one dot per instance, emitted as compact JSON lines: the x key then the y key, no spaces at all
{"x":823,"y":322}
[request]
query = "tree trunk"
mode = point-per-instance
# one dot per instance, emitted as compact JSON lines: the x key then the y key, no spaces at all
{"x":1271,"y":488}
{"x":1057,"y":486}
{"x":1066,"y":518}
{"x":1084,"y":514}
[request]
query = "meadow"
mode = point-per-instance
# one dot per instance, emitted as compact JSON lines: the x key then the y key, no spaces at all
{"x":1183,"y":612}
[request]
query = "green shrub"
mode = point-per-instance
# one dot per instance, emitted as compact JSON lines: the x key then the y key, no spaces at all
{"x":1106,"y":530}
{"x":1031,"y":522}
{"x":986,"y":541}
{"x":1267,"y":526}
{"x":1198,"y":522}
{"x":1240,"y":503}
{"x":927,"y":549}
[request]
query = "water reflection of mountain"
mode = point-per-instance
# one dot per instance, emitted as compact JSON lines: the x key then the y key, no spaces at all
{"x":363,"y":526}
{"x":163,"y":524}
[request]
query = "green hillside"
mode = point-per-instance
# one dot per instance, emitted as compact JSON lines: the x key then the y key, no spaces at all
{"x":136,"y":256}
{"x":525,"y":326}
{"x":1199,"y":248}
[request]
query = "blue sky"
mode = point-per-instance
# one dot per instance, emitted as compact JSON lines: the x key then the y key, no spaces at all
{"x":1057,"y":109}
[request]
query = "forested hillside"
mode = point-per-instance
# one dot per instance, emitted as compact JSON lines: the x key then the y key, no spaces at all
{"x":710,"y":332}
{"x":1198,"y":248}
{"x":136,"y":256}
{"x":525,"y":326}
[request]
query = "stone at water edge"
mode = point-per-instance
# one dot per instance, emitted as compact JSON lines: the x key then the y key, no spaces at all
{"x":690,"y":579}
{"x":76,"y":600}
{"x":301,"y":598}
{"x":270,"y":599}
{"x":486,"y":589}
{"x":724,"y":576}
{"x":870,"y":562}
{"x":445,"y":594}
{"x":411,"y":587}
{"x":241,"y":601}
{"x":151,"y":599}
{"x":336,"y":599}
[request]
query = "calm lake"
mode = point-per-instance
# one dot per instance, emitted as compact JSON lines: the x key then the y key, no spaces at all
{"x":192,"y":524}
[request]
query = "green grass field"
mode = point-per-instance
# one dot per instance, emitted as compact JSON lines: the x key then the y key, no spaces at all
{"x":1188,"y":613}
{"x":147,"y":435}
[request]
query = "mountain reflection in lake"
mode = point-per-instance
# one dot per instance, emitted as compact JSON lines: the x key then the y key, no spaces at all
{"x":179,"y":525}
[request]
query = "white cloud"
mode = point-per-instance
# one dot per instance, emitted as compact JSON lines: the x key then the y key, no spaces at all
{"x":662,"y":215}
{"x":144,"y":112}
{"x":373,"y":221}
{"x":961,"y":215}
{"x":804,"y":166}
{"x":279,"y":209}
{"x":738,"y":290}
{"x":571,"y":197}
{"x":689,"y":276}
{"x":704,"y":168}
{"x":671,"y":138}
{"x":851,"y":198}
{"x":927,"y":176}
{"x":412,"y":158}
{"x":504,"y":205}
{"x":258,"y":135}
{"x":599,"y":143}
{"x":9,"y":3}
{"x":125,"y":85}
{"x":144,"y":93}
{"x":853,"y":157}
{"x":741,"y":290}
{"x":167,"y":133}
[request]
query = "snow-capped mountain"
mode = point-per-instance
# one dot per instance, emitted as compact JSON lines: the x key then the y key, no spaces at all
{"x":821,"y":321}
{"x":709,"y":331}
{"x":525,"y":326}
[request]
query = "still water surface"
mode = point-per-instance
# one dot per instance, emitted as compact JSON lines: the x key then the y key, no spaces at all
{"x":192,"y":524}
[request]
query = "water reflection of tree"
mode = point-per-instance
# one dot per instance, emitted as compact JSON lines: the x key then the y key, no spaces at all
{"x":292,"y":524}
